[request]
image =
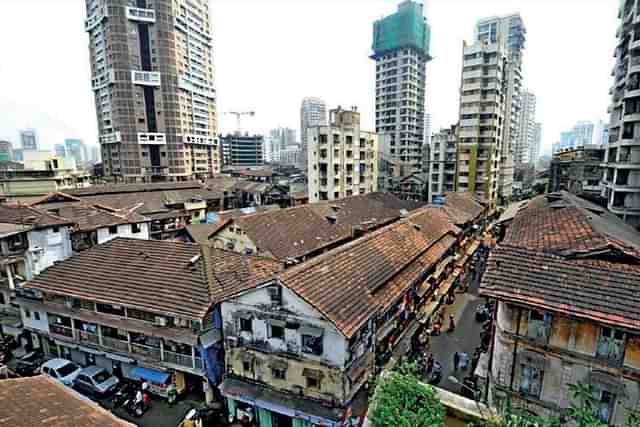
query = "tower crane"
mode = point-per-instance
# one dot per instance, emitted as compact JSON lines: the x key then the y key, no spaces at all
{"x":238,"y":115}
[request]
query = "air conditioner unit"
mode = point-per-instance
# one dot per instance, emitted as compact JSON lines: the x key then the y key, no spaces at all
{"x":160,"y":321}
{"x":232,"y":342}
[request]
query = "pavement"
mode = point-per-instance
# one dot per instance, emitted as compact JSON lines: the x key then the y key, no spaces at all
{"x":465,"y":337}
{"x":160,"y":414}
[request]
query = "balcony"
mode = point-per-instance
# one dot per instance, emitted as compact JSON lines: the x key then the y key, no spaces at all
{"x":64,"y":331}
{"x":110,"y":138}
{"x":149,"y":138}
{"x":88,"y":337}
{"x":145,"y":78}
{"x":91,"y":22}
{"x":141,"y":15}
{"x":115,"y":344}
{"x":146,"y":351}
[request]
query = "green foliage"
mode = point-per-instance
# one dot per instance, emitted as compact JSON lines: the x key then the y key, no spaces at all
{"x":401,"y":400}
{"x":634,"y":417}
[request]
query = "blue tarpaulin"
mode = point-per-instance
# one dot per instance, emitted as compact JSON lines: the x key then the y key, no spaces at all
{"x":151,"y":375}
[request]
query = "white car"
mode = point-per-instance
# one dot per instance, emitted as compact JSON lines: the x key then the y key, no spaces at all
{"x":61,"y":370}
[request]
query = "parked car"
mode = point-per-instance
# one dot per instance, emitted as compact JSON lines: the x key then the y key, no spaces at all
{"x":61,"y":370}
{"x":95,"y":381}
{"x":29,"y":364}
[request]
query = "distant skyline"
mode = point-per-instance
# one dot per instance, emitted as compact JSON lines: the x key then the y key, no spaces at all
{"x":269,"y":54}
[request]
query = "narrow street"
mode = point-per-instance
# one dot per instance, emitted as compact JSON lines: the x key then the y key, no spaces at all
{"x":465,"y":338}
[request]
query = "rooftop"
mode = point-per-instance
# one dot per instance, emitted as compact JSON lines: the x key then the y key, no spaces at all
{"x":159,"y":276}
{"x":564,"y":254}
{"x":39,"y":400}
{"x":355,"y":281}
{"x":16,"y":213}
{"x":300,"y":230}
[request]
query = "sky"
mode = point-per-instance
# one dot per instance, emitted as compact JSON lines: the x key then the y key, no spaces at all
{"x":269,"y":54}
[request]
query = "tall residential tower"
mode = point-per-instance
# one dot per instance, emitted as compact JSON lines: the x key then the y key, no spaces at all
{"x":401,"y":50}
{"x":313,"y":112}
{"x":152,"y":77}
{"x":509,"y":33}
{"x":526,"y":129}
{"x":622,"y":157}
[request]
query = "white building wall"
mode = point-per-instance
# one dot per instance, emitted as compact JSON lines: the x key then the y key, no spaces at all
{"x":334,"y":343}
{"x":47,"y":246}
{"x":41,"y":323}
{"x":124,"y":230}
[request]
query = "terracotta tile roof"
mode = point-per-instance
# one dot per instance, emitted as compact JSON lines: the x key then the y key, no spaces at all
{"x":27,"y":215}
{"x":298,"y":231}
{"x":41,"y":401}
{"x":159,"y":276}
{"x":463,"y":205}
{"x":88,"y":218}
{"x":263,"y":173}
{"x":567,"y":255}
{"x":134,"y":188}
{"x":233,"y":272}
{"x":353,"y":282}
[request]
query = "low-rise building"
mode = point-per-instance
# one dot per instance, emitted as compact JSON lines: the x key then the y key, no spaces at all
{"x":578,"y":170}
{"x":129,"y":303}
{"x":299,"y":352}
{"x":342,"y":158}
{"x":242,"y":150}
{"x":295,"y":234}
{"x":566,"y":279}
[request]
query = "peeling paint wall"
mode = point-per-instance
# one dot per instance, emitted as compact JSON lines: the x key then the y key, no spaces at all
{"x":229,"y":239}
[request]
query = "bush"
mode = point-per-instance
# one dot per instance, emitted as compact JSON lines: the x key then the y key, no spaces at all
{"x":401,"y":400}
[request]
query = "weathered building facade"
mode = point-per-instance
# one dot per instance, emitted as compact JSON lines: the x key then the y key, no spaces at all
{"x":565,"y":277}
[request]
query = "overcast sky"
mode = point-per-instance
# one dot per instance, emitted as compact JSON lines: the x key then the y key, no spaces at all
{"x":269,"y":54}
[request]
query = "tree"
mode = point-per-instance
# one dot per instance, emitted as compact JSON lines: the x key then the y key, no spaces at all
{"x":402,"y":400}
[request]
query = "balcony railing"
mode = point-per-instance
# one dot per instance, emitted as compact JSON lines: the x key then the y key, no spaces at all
{"x":145,"y":350}
{"x":115,"y":344}
{"x":61,"y":330}
{"x":178,"y":359}
{"x":88,"y":337}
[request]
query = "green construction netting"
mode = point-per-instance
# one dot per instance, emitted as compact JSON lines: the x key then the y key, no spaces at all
{"x":405,"y":28}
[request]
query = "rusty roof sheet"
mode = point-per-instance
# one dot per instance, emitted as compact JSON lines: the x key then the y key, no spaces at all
{"x":465,"y":203}
{"x":134,"y":188}
{"x":42,"y":401}
{"x":354,"y":282}
{"x":564,"y":254}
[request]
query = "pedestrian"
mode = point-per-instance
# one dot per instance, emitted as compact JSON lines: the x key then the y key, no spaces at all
{"x":429,"y":363}
{"x":452,"y":323}
{"x":456,"y":361}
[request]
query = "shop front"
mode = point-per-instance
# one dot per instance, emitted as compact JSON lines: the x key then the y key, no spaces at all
{"x":256,"y":405}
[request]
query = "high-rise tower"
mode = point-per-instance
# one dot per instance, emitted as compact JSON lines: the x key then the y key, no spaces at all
{"x":152,"y":77}
{"x":313,"y":112}
{"x":621,"y":177}
{"x":401,"y":50}
{"x":526,"y":129}
{"x":509,"y":33}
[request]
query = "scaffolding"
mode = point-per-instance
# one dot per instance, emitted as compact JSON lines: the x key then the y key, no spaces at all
{"x":407,"y":28}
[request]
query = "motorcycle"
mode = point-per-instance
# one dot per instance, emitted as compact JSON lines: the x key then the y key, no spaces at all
{"x":435,"y":375}
{"x":124,"y":393}
{"x":137,"y":408}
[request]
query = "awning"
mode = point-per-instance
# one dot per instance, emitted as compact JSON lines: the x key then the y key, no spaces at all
{"x":119,"y":358}
{"x":276,"y":322}
{"x":310,"y":330}
{"x":211,"y":337}
{"x":281,"y":403}
{"x":91,"y":350}
{"x":151,"y":375}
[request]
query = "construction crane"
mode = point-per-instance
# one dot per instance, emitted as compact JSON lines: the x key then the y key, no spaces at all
{"x":238,"y":115}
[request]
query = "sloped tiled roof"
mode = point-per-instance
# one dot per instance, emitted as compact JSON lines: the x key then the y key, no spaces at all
{"x":26,"y":215}
{"x":159,"y":276}
{"x":353,"y":282}
{"x":42,"y":401}
{"x":463,"y":206}
{"x":298,"y":231}
{"x":567,"y":255}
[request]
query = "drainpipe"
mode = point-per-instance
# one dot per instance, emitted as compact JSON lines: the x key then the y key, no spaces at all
{"x":515,"y":350}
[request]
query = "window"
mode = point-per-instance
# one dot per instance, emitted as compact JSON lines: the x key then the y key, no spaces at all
{"x":36,"y":315}
{"x":539,"y":325}
{"x":27,"y":313}
{"x":135,"y":228}
{"x":245,"y":325}
{"x":530,"y":380}
{"x":276,"y":331}
{"x":604,"y":404}
{"x":113,"y":229}
{"x":313,"y":382}
{"x":610,"y":345}
{"x":279,"y":373}
{"x":312,"y":341}
{"x":55,"y":229}
{"x":246,"y":366}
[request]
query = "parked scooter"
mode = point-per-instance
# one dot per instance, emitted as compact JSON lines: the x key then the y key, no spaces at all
{"x":137,"y":405}
{"x":125,"y":392}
